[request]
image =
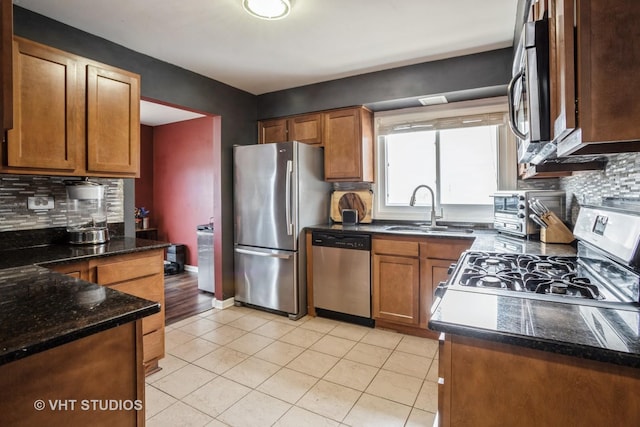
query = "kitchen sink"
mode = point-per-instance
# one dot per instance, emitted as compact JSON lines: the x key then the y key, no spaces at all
{"x":427,"y":229}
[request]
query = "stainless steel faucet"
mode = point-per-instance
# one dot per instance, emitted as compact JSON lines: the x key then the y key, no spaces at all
{"x":412,"y":202}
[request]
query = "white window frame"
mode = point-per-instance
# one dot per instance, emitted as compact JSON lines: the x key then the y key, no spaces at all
{"x":507,"y":163}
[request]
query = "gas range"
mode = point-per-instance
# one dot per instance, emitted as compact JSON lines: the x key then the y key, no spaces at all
{"x":574,"y":280}
{"x":605,"y":272}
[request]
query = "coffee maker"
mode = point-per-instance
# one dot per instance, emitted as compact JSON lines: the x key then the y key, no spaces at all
{"x":86,"y":212}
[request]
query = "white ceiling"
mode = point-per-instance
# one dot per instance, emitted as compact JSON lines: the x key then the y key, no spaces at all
{"x":320,"y":40}
{"x":152,"y":114}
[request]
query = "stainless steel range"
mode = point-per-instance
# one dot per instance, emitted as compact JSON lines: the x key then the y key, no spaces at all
{"x":605,"y":272}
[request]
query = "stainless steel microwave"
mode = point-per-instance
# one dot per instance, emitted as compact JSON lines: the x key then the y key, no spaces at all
{"x":529,"y":94}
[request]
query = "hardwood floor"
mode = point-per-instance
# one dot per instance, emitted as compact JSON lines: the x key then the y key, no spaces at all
{"x":182,"y":297}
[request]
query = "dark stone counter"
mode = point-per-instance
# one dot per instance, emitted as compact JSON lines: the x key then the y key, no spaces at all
{"x":483,"y":239}
{"x":41,"y":309}
{"x":603,"y":334}
{"x":59,"y":253}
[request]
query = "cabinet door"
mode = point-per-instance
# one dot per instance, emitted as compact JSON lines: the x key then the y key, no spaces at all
{"x":396,"y":286}
{"x":607,"y":70}
{"x":564,"y":79}
{"x":343,"y":148}
{"x":270,"y":131}
{"x":47,"y":128}
{"x":113,"y":121}
{"x":432,"y":272}
{"x":6,"y":63}
{"x":307,"y":129}
{"x":79,"y":270}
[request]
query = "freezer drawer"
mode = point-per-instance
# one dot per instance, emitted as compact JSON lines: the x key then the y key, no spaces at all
{"x":267,"y":278}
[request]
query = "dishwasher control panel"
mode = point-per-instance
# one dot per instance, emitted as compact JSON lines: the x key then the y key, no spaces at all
{"x":342,"y":240}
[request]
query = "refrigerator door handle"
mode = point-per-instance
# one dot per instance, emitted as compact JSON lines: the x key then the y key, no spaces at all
{"x":288,"y":197}
{"x":265,"y":254}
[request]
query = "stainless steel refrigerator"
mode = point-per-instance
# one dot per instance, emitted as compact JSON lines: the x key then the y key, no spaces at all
{"x":278,"y":190}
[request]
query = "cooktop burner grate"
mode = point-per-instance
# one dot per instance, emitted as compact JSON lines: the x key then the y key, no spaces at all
{"x":539,"y":274}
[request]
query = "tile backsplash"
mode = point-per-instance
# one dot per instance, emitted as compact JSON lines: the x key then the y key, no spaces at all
{"x":15,"y":189}
{"x":620,"y":179}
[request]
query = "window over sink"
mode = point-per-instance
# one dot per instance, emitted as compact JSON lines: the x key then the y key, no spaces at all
{"x":463,"y":151}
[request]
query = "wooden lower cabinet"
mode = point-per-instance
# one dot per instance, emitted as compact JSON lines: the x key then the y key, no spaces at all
{"x":432,"y":272}
{"x":485,"y":383}
{"x":101,"y":369}
{"x":396,"y":286}
{"x":405,"y":273}
{"x":140,"y":274}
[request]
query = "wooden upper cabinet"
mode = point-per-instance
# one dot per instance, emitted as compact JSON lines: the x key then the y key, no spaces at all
{"x":306,"y":128}
{"x":6,"y":61}
{"x":597,"y":76}
{"x":113,"y":120}
{"x":346,"y":135}
{"x":348,"y":142}
{"x":46,"y":128}
{"x":72,"y":116}
{"x":271,"y":131}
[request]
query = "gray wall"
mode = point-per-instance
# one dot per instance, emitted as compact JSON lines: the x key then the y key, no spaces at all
{"x":462,"y":78}
{"x":165,"y":82}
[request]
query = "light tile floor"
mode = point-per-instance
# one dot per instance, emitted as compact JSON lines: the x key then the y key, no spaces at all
{"x":242,"y":367}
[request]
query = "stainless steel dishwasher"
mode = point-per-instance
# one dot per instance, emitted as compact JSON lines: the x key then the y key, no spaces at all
{"x":342,"y":276}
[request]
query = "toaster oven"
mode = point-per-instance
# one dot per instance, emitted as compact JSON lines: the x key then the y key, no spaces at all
{"x":511,"y":210}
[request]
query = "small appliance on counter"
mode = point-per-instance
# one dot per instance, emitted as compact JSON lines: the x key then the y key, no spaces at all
{"x":86,"y":212}
{"x":511,"y":210}
{"x":349,"y":216}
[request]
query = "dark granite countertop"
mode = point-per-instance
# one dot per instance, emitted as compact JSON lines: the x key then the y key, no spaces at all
{"x":41,"y":309}
{"x":484,"y":239}
{"x":59,"y":253}
{"x":603,"y":334}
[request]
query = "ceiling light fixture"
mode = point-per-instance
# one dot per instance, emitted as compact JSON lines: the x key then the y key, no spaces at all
{"x":267,"y":9}
{"x":433,"y":100}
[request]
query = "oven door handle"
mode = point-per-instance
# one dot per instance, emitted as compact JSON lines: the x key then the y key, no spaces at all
{"x":512,"y":110}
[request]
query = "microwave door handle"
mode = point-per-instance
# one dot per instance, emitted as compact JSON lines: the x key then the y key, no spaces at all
{"x":512,"y":110}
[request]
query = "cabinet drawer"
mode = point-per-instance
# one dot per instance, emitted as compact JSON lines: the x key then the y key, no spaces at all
{"x":395,"y":247}
{"x":119,"y":271}
{"x":444,"y":248}
{"x":153,"y":345}
{"x":150,"y":288}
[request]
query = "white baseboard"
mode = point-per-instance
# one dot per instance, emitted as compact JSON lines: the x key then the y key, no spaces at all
{"x":191,"y":268}
{"x":216,"y":303}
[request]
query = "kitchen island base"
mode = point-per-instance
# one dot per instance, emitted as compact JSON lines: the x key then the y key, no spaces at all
{"x":97,"y":380}
{"x":486,"y":383}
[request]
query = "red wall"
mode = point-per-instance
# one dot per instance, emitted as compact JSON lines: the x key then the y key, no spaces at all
{"x":183,"y":174}
{"x":144,"y":184}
